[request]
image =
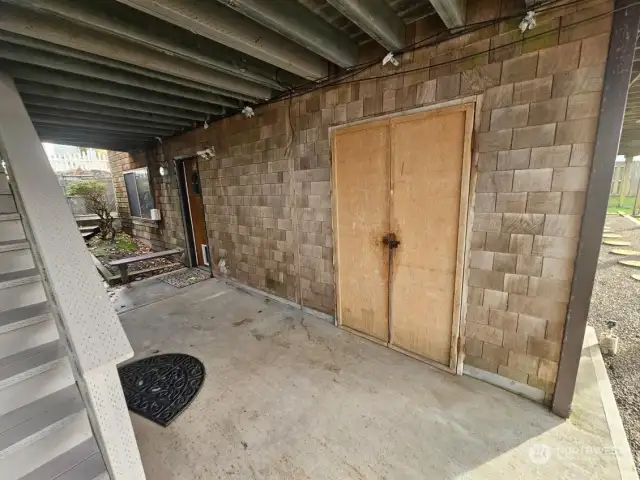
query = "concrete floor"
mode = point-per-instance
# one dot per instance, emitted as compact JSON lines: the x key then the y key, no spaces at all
{"x":290,"y":396}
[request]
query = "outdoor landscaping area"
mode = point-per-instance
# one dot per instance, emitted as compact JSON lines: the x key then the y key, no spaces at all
{"x":126,"y":246}
{"x":615,"y":308}
{"x":627,"y":205}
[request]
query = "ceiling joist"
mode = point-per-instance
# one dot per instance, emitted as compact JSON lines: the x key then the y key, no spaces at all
{"x":221,"y":24}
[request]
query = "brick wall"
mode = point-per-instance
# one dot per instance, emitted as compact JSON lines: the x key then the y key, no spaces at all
{"x":267,"y":196}
{"x":161,"y":235}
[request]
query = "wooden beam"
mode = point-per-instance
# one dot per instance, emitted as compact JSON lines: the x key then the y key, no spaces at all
{"x":452,"y":12}
{"x":616,"y":83}
{"x":376,"y":18}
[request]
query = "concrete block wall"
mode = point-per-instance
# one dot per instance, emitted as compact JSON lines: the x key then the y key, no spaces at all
{"x":267,"y":194}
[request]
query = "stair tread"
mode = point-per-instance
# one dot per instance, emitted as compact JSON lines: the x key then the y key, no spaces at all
{"x":92,"y":468}
{"x":65,"y":463}
{"x":9,"y":245}
{"x":20,"y":277}
{"x":33,"y":358}
{"x":38,"y":407}
{"x":24,"y":316}
{"x":9,"y":216}
{"x":25,"y":424}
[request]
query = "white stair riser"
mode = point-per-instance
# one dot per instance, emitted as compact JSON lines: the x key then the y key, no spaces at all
{"x":21,"y":296}
{"x":11,"y":230}
{"x":7,"y":204}
{"x":36,"y":387}
{"x":24,"y":338}
{"x":4,"y":184}
{"x":15,"y":261}
{"x":28,"y":458}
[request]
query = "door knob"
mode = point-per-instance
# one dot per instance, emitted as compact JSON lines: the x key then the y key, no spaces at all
{"x":390,"y":240}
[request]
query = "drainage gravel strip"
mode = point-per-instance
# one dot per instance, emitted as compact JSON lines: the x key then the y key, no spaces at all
{"x":616,"y":298}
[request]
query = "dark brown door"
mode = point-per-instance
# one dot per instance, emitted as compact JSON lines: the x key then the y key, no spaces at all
{"x":196,"y":212}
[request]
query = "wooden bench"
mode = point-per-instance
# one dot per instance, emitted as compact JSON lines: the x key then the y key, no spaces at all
{"x":123,"y":263}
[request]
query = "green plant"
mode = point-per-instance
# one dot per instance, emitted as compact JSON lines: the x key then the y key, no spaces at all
{"x":97,"y":202}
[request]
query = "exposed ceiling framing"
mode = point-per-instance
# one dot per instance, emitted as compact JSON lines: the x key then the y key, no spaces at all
{"x":119,"y":74}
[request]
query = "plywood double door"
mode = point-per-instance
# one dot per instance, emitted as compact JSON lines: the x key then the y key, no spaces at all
{"x":400,"y":213}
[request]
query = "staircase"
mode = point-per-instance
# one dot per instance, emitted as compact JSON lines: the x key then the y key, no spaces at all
{"x":44,"y":427}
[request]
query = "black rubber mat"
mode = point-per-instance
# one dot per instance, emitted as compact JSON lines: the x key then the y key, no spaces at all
{"x":160,"y":387}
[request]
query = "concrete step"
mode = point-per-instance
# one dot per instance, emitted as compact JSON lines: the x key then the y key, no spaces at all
{"x":76,"y":464}
{"x":24,"y":317}
{"x":21,"y":296}
{"x":11,"y":227}
{"x":88,"y":228}
{"x":16,"y":260}
{"x":7,"y":217}
{"x":13,"y":245}
{"x":16,"y":279}
{"x":93,"y":468}
{"x":20,"y":289}
{"x":27,"y":338}
{"x":40,"y":431}
{"x":26,"y":328}
{"x":4,"y":183}
{"x":19,"y":427}
{"x":21,"y":366}
{"x":33,"y":374}
{"x":7,"y":203}
{"x":36,"y":386}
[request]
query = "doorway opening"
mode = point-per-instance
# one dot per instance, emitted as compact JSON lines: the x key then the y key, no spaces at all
{"x":192,"y":209}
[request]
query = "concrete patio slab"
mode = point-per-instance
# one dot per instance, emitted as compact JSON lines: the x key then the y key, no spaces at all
{"x":290,"y":396}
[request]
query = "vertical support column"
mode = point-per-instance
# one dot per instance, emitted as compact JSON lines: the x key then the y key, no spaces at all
{"x":636,"y":204}
{"x":626,"y":177}
{"x":622,"y":46}
{"x":92,"y":330}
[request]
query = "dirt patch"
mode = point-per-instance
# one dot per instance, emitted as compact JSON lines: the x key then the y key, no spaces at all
{"x":616,"y":298}
{"x":128,"y":246}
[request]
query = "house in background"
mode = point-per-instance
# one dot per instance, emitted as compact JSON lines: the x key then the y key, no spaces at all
{"x":444,"y":201}
{"x":64,"y":158}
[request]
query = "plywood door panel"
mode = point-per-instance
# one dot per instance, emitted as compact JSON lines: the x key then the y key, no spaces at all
{"x":361,"y":202}
{"x":428,"y":156}
{"x":196,"y":212}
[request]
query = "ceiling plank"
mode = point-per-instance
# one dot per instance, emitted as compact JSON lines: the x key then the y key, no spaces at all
{"x":301,"y":25}
{"x":63,"y":32}
{"x":105,"y":100}
{"x":98,"y":125}
{"x":117,"y":120}
{"x":77,"y":82}
{"x":59,"y":63}
{"x":145,"y":73}
{"x":377,"y":19}
{"x":221,"y":24}
{"x":452,"y":12}
{"x":124,"y":22}
{"x":81,"y":109}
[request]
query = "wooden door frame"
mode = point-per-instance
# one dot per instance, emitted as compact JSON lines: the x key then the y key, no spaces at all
{"x":473,"y":106}
{"x":190,"y":242}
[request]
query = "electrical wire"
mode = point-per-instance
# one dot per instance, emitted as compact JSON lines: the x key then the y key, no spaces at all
{"x":343,"y":79}
{"x":340,"y":81}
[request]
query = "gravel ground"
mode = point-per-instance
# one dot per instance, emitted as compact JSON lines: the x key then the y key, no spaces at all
{"x":616,"y":297}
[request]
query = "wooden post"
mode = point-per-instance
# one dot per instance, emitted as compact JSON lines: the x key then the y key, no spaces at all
{"x":636,"y":205}
{"x":124,"y":273}
{"x":626,"y":177}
